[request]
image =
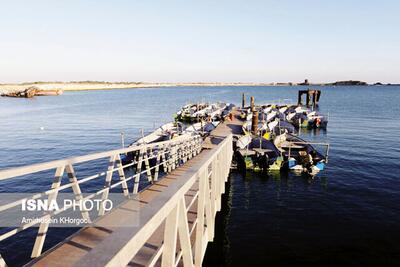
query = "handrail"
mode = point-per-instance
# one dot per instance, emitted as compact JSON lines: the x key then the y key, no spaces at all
{"x":168,"y":154}
{"x":38,"y":167}
{"x":123,"y":244}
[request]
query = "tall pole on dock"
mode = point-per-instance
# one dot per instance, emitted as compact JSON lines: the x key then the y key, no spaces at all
{"x":123,"y":139}
{"x":243,"y":100}
{"x":254,"y":121}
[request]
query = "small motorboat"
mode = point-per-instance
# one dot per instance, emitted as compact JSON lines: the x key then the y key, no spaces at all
{"x":279,"y":126}
{"x":258,"y":153}
{"x":308,"y":119}
{"x":186,"y":113}
{"x":317,"y":120}
{"x":300,"y":155}
{"x":163,"y":133}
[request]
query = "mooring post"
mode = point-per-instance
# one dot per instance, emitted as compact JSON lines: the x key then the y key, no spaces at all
{"x":243,"y":100}
{"x":254,"y":120}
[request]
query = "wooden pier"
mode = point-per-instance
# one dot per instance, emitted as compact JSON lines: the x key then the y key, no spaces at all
{"x":169,"y":223}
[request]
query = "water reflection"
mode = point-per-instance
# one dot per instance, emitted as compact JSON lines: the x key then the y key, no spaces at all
{"x":312,"y":132}
{"x":218,"y":251}
{"x":257,"y":203}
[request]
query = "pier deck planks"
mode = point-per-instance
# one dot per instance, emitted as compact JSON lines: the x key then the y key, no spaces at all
{"x":224,"y":129}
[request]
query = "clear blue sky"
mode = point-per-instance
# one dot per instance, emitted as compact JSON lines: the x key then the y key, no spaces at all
{"x":181,"y":41}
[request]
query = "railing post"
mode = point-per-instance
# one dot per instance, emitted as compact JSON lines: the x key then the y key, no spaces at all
{"x":158,"y":163}
{"x":219,"y":180}
{"x":2,"y":262}
{"x":107,"y":184}
{"x":44,"y":226}
{"x":138,"y":170}
{"x":165,"y":158}
{"x":185,"y":148}
{"x":214,"y":195}
{"x":209,"y":215}
{"x":170,"y":231}
{"x":169,"y":158}
{"x":184,"y":236}
{"x":122,"y":177}
{"x":198,"y":256}
{"x":178,"y":154}
{"x":172,"y":157}
{"x":147,"y":164}
{"x":198,"y":145}
{"x":76,"y":189}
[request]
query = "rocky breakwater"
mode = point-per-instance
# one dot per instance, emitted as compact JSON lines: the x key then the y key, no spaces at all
{"x":32,"y":92}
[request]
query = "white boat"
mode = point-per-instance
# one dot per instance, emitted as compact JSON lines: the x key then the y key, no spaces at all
{"x":195,"y":127}
{"x":283,"y":109}
{"x":267,"y":110}
{"x":302,"y":110}
{"x":271,"y":116}
{"x":293,"y":147}
{"x":164,"y":132}
{"x":243,"y":141}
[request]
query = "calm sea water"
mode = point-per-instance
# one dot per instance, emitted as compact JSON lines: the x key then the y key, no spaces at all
{"x":348,"y":214}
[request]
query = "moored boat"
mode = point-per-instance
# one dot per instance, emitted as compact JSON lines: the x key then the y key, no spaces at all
{"x":258,"y":153}
{"x":300,"y":155}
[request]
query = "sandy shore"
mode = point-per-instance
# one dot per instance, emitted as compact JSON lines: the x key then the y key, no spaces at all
{"x":77,"y":86}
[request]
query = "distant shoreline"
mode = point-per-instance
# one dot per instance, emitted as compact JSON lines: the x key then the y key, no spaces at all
{"x":94,"y":85}
{"x":84,"y":86}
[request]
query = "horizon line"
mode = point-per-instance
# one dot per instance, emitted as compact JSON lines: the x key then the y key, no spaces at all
{"x":191,"y":82}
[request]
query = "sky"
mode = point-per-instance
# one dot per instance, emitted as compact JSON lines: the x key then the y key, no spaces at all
{"x":200,"y":41}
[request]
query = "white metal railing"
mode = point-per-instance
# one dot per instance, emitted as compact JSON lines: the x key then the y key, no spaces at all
{"x":170,"y":208}
{"x":168,"y":155}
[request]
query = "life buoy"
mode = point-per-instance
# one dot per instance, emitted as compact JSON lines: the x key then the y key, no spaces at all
{"x":317,"y":122}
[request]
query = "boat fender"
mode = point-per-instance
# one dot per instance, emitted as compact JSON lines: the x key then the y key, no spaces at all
{"x":317,"y":122}
{"x":320,"y":165}
{"x":292,"y":163}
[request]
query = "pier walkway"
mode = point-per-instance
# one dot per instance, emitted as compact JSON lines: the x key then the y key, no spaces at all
{"x":168,"y":223}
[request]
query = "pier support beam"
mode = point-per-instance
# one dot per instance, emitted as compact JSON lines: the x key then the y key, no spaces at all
{"x":310,"y":93}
